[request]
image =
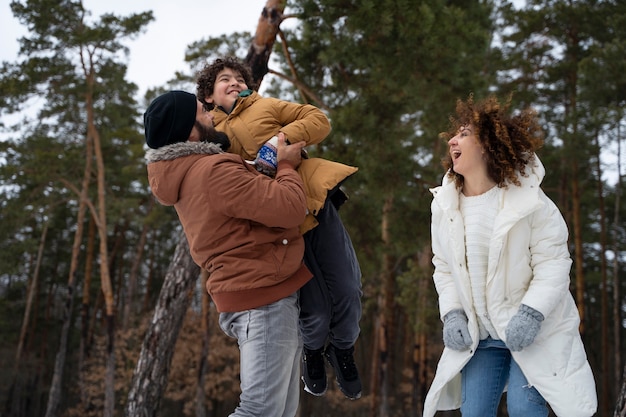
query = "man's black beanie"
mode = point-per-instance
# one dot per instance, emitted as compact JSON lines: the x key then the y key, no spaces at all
{"x":170,"y":118}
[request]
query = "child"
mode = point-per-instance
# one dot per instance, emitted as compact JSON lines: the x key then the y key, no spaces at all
{"x":331,"y":302}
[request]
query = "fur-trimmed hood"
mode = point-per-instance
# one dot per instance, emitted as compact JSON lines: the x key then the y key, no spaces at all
{"x":178,"y":150}
{"x":169,"y":165}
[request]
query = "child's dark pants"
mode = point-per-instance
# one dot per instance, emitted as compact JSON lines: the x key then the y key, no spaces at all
{"x":330,"y":302}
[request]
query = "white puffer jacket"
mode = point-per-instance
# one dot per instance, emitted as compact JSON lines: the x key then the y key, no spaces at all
{"x":529,"y":263}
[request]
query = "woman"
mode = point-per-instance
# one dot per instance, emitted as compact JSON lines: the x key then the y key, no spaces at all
{"x":502,"y":275}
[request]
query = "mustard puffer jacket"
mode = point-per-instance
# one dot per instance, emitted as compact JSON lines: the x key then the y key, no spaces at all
{"x":255,"y":119}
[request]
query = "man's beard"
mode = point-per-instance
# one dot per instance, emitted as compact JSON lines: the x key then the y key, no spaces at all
{"x":210,"y":135}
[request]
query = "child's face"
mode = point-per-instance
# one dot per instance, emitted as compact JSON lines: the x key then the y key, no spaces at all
{"x":228,"y":85}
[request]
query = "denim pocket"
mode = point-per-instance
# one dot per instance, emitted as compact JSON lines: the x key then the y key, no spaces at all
{"x":235,"y":324}
{"x":533,"y":396}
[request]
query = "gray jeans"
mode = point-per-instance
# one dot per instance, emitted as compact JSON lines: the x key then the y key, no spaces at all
{"x":270,"y":346}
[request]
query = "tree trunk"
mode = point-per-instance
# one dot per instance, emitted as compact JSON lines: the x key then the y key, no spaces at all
{"x":85,"y":334}
{"x":105,"y":275}
{"x":606,"y":387}
{"x":578,"y":246}
{"x":146,"y":304}
{"x":203,"y":368}
{"x":86,"y":318}
{"x":18,"y":393}
{"x":380,"y":394}
{"x":32,"y":289}
{"x":620,"y":407}
{"x":54,"y":396}
{"x":153,"y":366}
{"x":117,"y":264}
{"x":264,"y":39}
{"x":424,"y":263}
{"x":43,"y":348}
{"x":132,"y":277}
{"x":375,"y":366}
{"x":617,"y":319}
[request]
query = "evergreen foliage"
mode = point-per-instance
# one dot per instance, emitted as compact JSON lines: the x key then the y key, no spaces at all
{"x":387,"y":73}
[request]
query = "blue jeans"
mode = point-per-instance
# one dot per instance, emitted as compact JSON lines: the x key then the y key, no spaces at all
{"x":485,"y":377}
{"x":270,"y":347}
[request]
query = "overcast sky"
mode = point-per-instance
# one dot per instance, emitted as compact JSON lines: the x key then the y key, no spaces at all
{"x":159,"y":52}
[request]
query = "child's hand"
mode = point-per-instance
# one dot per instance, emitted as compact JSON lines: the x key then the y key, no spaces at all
{"x":266,"y":159}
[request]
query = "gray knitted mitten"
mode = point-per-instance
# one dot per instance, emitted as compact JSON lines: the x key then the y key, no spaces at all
{"x":455,"y":332}
{"x":523,"y":327}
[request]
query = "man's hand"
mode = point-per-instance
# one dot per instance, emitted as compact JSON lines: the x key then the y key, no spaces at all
{"x":289,"y":153}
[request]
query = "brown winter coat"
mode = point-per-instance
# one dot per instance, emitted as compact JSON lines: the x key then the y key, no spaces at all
{"x":242,"y":226}
{"x":255,"y":119}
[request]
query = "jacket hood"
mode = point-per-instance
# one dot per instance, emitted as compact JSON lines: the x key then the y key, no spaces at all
{"x":178,"y":150}
{"x":168,"y":166}
{"x":532,"y":177}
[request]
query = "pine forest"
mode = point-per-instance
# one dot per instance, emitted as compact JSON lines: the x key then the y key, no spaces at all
{"x":104,"y":313}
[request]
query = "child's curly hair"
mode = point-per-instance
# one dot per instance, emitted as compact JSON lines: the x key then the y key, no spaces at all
{"x":205,"y":81}
{"x":509,"y":141}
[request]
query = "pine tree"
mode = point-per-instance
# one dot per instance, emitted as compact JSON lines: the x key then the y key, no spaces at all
{"x":72,"y":66}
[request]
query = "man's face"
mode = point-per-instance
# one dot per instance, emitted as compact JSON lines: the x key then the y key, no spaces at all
{"x":203,"y":125}
{"x":203,"y":130}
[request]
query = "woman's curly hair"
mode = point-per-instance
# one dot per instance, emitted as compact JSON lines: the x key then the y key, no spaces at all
{"x":205,"y":81}
{"x":509,"y":141}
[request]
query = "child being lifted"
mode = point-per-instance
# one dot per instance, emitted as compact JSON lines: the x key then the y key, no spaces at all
{"x":330,"y":303}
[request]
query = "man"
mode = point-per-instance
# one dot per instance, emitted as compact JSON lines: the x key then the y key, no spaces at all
{"x":242,"y":227}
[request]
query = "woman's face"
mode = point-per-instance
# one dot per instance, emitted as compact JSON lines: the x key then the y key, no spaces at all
{"x":466,"y":152}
